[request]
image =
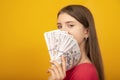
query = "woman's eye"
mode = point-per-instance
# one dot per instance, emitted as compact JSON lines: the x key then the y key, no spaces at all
{"x":59,"y":27}
{"x":70,"y":25}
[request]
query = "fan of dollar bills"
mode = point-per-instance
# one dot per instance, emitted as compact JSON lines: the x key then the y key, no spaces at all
{"x":61,"y":43}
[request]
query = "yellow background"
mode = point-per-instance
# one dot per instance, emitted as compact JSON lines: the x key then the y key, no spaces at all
{"x":23,"y":51}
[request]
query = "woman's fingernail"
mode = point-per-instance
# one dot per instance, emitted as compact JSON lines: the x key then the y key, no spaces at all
{"x":50,"y":60}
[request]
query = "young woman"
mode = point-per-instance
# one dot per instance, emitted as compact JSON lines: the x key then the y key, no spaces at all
{"x":79,"y":22}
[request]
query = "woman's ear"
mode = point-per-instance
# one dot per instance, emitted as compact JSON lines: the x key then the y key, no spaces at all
{"x":86,"y":33}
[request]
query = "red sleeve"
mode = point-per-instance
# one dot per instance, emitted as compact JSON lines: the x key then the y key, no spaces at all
{"x":85,"y":72}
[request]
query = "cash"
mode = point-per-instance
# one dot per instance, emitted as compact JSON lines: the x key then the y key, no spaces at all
{"x":62,"y":43}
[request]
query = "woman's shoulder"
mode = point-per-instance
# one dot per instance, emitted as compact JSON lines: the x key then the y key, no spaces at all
{"x":85,"y":71}
{"x":85,"y":66}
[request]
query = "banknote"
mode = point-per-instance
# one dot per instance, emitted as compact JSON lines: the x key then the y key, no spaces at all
{"x":62,"y":43}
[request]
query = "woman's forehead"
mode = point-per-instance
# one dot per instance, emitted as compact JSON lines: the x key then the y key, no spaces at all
{"x":66,"y":18}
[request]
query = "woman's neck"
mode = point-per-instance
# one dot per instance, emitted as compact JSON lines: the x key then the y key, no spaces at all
{"x":84,"y":58}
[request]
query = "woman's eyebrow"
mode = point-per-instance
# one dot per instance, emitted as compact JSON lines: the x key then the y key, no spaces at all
{"x":66,"y":22}
{"x":69,"y":22}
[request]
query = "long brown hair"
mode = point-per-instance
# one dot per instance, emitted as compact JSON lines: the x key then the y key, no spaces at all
{"x":84,"y":16}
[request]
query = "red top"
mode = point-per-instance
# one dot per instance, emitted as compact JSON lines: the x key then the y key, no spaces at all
{"x":85,"y":71}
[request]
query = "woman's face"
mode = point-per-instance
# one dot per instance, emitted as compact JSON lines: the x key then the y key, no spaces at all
{"x":72,"y":26}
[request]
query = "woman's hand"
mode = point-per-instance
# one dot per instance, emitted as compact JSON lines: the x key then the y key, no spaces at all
{"x":57,"y":71}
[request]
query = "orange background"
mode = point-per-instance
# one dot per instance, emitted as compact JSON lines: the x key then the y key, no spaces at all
{"x":23,"y":51}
